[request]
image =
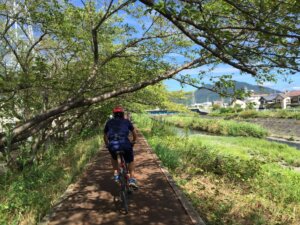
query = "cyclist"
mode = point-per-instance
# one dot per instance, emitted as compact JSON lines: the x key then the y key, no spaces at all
{"x":116,"y":133}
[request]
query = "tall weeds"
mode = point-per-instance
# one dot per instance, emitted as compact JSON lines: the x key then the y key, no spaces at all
{"x":220,"y":127}
{"x":26,"y":196}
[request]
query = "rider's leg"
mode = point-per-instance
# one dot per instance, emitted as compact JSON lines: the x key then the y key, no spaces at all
{"x":129,"y":158}
{"x":132,"y":180}
{"x":115,"y":166}
{"x":131,"y":169}
{"x":114,"y":162}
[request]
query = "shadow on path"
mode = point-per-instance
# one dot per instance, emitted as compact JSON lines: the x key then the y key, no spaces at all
{"x":91,"y":199}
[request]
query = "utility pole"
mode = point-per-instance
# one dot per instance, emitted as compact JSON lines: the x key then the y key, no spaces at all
{"x":194,"y":101}
{"x":20,"y":31}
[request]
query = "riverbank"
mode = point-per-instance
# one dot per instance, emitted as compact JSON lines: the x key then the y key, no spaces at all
{"x":288,"y":129}
{"x":285,"y":128}
{"x":231,"y":180}
{"x":219,"y":126}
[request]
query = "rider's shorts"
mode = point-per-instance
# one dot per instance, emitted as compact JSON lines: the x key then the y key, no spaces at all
{"x":128,"y":153}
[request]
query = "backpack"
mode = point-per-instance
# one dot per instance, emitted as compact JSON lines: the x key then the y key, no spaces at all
{"x":118,"y":135}
{"x":116,"y":143}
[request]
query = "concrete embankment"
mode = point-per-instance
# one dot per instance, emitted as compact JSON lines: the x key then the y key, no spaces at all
{"x":295,"y":144}
{"x":286,"y":131}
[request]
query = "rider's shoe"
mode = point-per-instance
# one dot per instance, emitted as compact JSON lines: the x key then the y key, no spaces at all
{"x":133,"y":184}
{"x":116,"y":178}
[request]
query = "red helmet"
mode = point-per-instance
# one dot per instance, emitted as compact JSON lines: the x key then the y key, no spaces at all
{"x":118,"y":109}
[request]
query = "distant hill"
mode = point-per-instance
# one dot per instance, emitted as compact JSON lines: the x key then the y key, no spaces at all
{"x":204,"y":95}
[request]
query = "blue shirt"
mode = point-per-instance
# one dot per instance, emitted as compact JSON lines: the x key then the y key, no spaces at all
{"x":119,"y":127}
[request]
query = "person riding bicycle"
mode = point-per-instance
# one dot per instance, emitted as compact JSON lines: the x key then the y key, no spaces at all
{"x":116,"y":134}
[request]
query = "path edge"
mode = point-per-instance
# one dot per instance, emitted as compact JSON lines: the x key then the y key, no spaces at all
{"x":181,"y":197}
{"x":66,"y":194}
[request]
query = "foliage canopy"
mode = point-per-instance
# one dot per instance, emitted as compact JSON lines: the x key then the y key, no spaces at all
{"x":63,"y":65}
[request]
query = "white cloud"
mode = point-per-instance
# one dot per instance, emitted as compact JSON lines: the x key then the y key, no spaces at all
{"x":267,"y":84}
{"x":296,"y":88}
{"x":225,"y":70}
{"x":220,"y":70}
{"x":191,"y":71}
{"x":175,"y":55}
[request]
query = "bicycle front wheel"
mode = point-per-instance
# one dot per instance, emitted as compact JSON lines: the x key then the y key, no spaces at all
{"x":123,"y":196}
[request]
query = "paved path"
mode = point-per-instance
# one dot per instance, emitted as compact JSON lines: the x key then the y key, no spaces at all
{"x":91,"y":199}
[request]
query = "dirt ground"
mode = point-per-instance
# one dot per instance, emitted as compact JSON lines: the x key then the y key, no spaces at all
{"x":92,"y":199}
{"x":286,"y":128}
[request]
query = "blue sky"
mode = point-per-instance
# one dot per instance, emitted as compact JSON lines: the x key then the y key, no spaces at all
{"x":291,"y":82}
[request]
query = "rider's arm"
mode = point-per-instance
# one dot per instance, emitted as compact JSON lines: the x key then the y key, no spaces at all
{"x":134,"y":135}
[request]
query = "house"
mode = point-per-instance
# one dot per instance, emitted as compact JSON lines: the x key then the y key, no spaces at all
{"x":267,"y":101}
{"x":254,"y":100}
{"x":288,"y":99}
{"x":294,"y":98}
{"x":281,"y":100}
{"x":240,"y":103}
{"x":218,"y":103}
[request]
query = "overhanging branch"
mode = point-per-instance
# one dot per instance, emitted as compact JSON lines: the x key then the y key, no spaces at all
{"x":32,"y":124}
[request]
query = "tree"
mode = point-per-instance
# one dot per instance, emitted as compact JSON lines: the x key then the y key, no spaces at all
{"x":84,"y":57}
{"x":76,"y":63}
{"x":257,"y":37}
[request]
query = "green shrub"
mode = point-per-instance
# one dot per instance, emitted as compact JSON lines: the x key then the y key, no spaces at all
{"x":31,"y":192}
{"x":227,"y":110}
{"x":169,"y":158}
{"x":249,"y":114}
{"x":278,"y":184}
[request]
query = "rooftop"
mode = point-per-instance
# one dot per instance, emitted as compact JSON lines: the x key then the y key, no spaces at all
{"x":292,"y":93}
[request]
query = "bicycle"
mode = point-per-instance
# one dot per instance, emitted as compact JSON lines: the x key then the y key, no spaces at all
{"x":125,"y":189}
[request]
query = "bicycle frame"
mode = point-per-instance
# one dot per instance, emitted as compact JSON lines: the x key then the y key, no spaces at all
{"x":123,"y":180}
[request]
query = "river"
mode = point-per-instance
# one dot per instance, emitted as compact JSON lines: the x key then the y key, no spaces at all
{"x":182,"y":131}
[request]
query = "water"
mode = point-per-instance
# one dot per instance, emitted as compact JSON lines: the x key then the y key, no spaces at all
{"x":191,"y":132}
{"x":161,"y":112}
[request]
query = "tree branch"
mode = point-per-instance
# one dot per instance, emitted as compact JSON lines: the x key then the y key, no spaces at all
{"x":32,"y":125}
{"x":15,"y":54}
{"x":202,"y":87}
{"x":182,"y":28}
{"x":33,"y":46}
{"x":102,"y":20}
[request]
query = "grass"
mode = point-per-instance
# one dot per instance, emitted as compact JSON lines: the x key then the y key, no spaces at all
{"x":26,"y":196}
{"x":220,"y":127}
{"x":279,"y":113}
{"x":230,"y":180}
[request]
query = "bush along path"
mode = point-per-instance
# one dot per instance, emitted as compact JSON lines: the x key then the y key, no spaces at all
{"x":91,"y":199}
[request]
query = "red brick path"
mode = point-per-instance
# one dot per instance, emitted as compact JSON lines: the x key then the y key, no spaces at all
{"x":91,"y":199}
